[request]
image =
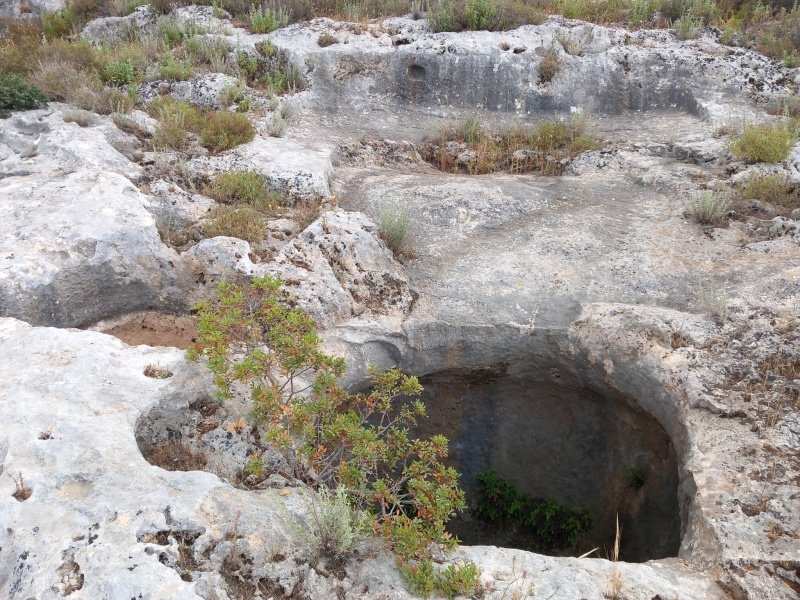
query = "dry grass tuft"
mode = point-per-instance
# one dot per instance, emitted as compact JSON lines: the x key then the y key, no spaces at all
{"x":21,"y":491}
{"x":546,"y":147}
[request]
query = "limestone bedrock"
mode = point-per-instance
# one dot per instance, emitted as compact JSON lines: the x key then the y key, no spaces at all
{"x":593,"y":284}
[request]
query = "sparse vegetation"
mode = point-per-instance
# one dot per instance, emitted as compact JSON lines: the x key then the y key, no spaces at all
{"x":764,"y":143}
{"x":715,"y":301}
{"x":360,"y":443}
{"x":776,"y":189}
{"x":708,"y":207}
{"x":79,"y":117}
{"x":552,"y":525}
{"x":175,"y":455}
{"x":549,"y":65}
{"x":156,"y":372}
{"x":545,"y":147}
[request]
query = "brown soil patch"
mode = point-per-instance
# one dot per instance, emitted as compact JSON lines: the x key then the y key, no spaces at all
{"x":155,"y":329}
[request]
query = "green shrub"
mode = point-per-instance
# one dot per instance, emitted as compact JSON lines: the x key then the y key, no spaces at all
{"x":171,"y":68}
{"x":708,"y":207}
{"x":442,"y":16}
{"x":266,"y":20}
{"x":554,"y":526}
{"x":482,"y":15}
{"x":337,"y":525}
{"x":168,"y":109}
{"x":457,"y":580}
{"x":688,"y":26}
{"x":15,"y":94}
{"x":360,"y":442}
{"x":244,"y":223}
{"x":244,"y":188}
{"x":226,"y":130}
{"x":764,"y":143}
{"x":635,"y":477}
{"x":61,"y":23}
{"x":119,"y":72}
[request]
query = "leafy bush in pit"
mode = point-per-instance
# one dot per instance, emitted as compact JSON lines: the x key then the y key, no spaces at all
{"x":555,"y":526}
{"x":15,"y":94}
{"x":226,"y":130}
{"x":257,"y":336}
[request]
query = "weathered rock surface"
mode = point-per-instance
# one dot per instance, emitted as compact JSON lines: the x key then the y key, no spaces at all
{"x":77,"y":241}
{"x":337,"y":268}
{"x":140,"y":24}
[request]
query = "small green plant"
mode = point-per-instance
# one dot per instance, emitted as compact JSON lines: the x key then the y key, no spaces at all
{"x":326,"y":39}
{"x":171,"y":68}
{"x":231,"y":94}
{"x":15,"y":94}
{"x":442,"y":17}
{"x":61,"y":23}
{"x":708,"y":207}
{"x":119,"y":72}
{"x":226,"y":130}
{"x":482,"y":15}
{"x":554,"y":526}
{"x":764,"y":143}
{"x":394,"y":226}
{"x":457,"y":580}
{"x":635,"y":477}
{"x":549,"y":65}
{"x":265,"y":20}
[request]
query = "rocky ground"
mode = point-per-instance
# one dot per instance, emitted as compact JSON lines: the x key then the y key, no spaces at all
{"x":591,"y":281}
